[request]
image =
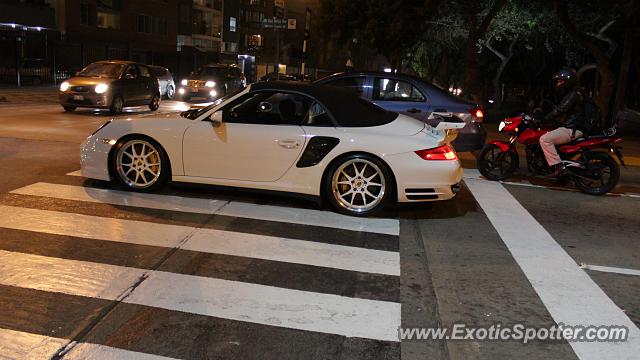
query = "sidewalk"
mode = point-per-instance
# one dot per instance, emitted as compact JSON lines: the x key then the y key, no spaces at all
{"x":31,"y":95}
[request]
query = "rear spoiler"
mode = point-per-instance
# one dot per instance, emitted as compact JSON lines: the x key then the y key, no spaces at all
{"x":447,"y":121}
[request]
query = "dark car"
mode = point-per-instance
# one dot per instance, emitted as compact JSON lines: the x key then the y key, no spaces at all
{"x":278,"y":77}
{"x":212,"y":82}
{"x":165,"y":79}
{"x":415,"y":97}
{"x":111,"y":85}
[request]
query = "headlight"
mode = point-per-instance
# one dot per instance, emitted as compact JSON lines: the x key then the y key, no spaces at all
{"x":210,"y":84}
{"x":64,"y":86}
{"x":501,"y":126}
{"x":184,"y":82}
{"x":101,"y":88}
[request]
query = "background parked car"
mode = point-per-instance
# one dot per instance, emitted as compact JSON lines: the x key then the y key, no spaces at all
{"x":417,"y":98}
{"x":111,"y":85}
{"x":165,"y":79}
{"x":278,"y":77}
{"x":212,"y":81}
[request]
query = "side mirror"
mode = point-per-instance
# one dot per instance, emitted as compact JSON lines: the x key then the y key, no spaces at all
{"x":216,"y":119}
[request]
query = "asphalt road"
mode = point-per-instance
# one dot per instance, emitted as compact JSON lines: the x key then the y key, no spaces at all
{"x":89,"y":271}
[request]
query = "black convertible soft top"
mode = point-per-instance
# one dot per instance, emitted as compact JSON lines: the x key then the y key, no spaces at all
{"x":348,"y":109}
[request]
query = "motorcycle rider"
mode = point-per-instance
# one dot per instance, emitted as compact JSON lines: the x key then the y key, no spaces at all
{"x":569,"y":112}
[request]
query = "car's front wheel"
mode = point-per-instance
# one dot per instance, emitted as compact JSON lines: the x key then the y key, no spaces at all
{"x":155,"y":102}
{"x":171,"y":92}
{"x":358,"y":185}
{"x":140,"y":164}
{"x":117,"y":105}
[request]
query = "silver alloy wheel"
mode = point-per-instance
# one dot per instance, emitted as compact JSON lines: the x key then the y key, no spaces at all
{"x":170,"y":92}
{"x":139,"y":164}
{"x":358,"y":185}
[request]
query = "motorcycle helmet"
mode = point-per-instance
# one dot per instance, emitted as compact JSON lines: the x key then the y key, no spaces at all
{"x":565,"y":80}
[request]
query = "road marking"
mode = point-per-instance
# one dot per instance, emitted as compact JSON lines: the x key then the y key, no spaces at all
{"x":209,"y":206}
{"x":311,"y":217}
{"x":569,"y":294}
{"x":124,"y":198}
{"x":23,"y":345}
{"x":75,"y":173}
{"x":203,"y":240}
{"x":611,"y":269}
{"x":261,"y":304}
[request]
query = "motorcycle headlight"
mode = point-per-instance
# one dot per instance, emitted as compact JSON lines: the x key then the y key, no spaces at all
{"x":101,"y":88}
{"x":501,"y":126}
{"x":64,"y":86}
{"x":184,"y":82}
{"x":210,"y":84}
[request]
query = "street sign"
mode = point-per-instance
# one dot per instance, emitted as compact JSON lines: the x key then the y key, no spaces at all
{"x":291,"y":24}
{"x":274,"y":23}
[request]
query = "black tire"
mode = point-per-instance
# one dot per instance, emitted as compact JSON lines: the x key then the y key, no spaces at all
{"x":598,"y":162}
{"x":385,"y":178}
{"x":171,"y":92}
{"x":155,"y":102}
{"x":495,"y":164}
{"x":68,"y":108}
{"x":126,"y":183}
{"x":117,"y":104}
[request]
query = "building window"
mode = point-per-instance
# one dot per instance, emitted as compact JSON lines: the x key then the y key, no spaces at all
{"x":232,"y":24}
{"x":143,"y":24}
{"x":108,"y":20}
{"x":87,"y":14}
{"x":254,"y":41}
{"x":160,"y":25}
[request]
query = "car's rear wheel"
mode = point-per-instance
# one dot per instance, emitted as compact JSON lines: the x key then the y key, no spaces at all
{"x":140,"y":164}
{"x":117,"y":105}
{"x":358,"y":185}
{"x":171,"y":92}
{"x":68,"y":108}
{"x":155,"y":102}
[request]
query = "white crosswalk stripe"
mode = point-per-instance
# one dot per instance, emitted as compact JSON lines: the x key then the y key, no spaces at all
{"x":267,"y":305}
{"x":226,"y":299}
{"x":207,"y":206}
{"x":202,"y":240}
{"x":26,"y":346}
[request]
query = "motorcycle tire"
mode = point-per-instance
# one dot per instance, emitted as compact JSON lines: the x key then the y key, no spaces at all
{"x":614,"y":175}
{"x":491,"y":154}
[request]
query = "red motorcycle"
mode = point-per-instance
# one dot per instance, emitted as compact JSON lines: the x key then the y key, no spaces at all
{"x":592,"y":170}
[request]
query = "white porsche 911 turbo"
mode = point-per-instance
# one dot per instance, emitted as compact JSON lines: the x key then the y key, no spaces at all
{"x":307,"y":139}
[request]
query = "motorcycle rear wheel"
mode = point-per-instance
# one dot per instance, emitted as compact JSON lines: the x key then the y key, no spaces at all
{"x":601,"y":175}
{"x":495,"y":164}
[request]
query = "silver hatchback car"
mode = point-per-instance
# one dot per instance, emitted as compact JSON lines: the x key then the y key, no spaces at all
{"x":165,"y":79}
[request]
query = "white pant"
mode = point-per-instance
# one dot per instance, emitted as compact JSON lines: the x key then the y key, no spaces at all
{"x":558,"y":136}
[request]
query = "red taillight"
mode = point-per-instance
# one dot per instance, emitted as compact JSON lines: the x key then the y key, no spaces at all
{"x":477,"y":114}
{"x":444,"y":152}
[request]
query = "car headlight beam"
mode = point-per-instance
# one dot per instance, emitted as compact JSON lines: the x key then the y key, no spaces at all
{"x":210,"y":84}
{"x":64,"y":86}
{"x":101,"y":88}
{"x":184,"y":82}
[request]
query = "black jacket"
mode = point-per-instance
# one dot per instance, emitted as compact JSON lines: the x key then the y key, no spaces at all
{"x":570,"y":111}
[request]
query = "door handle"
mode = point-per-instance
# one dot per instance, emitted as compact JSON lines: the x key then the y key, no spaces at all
{"x":288,"y":144}
{"x":414,"y":110}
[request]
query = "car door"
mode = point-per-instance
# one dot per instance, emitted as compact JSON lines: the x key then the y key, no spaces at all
{"x":260,"y":138}
{"x":401,"y":96}
{"x":147,"y":85}
{"x":130,"y":89}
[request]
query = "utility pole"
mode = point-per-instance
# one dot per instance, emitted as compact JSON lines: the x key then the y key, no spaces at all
{"x":307,"y":29}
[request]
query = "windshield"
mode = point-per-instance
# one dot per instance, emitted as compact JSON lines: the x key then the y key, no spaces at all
{"x":102,"y":70}
{"x":195,"y":113}
{"x":210,"y":71}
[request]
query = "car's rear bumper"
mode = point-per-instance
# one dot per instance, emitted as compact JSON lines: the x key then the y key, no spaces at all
{"x":470,"y":138}
{"x":88,"y":99}
{"x":420,"y":180}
